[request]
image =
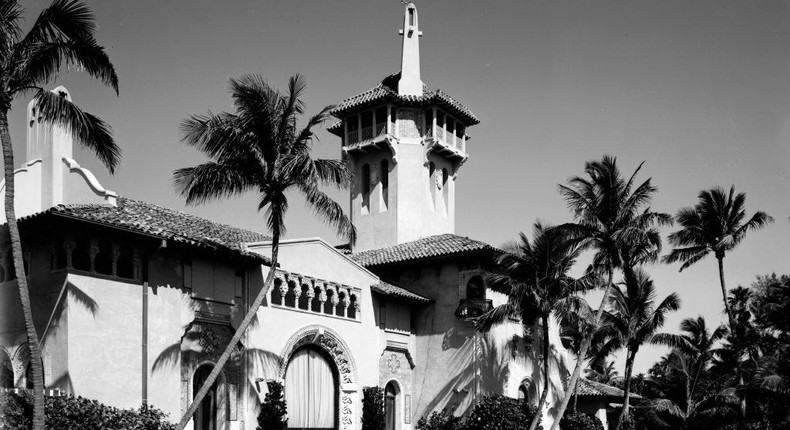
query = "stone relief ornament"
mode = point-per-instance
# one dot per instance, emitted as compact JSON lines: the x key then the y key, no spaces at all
{"x":393,"y":363}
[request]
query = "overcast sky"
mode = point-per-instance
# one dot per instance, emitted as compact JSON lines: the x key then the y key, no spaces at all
{"x":700,"y":90}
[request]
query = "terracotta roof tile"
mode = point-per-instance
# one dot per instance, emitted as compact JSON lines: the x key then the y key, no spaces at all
{"x":387,"y":90}
{"x":181,"y":227}
{"x":396,"y":291}
{"x":427,"y":247}
{"x":598,"y":389}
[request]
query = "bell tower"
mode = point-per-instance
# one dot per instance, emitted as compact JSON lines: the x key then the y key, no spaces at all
{"x":405,"y":144}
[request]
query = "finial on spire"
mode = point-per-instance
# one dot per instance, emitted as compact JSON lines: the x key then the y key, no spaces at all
{"x":410,"y":82}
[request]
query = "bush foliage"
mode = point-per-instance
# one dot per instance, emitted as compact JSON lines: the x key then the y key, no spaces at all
{"x":440,"y":421}
{"x":500,"y":413}
{"x":580,"y":421}
{"x":273,"y":409}
{"x":373,"y":408}
{"x":490,"y":413}
{"x":78,"y":413}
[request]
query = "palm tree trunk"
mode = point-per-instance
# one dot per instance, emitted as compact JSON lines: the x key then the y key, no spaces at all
{"x":734,"y":335}
{"x":583,"y":352}
{"x":575,"y":395}
{"x":245,"y":323}
{"x":629,"y":368}
{"x":36,"y":368}
{"x":545,"y":393}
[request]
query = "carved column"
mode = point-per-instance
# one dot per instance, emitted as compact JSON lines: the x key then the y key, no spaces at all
{"x":116,"y":253}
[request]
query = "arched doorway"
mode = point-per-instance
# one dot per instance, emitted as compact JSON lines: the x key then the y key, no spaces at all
{"x":311,"y":390}
{"x":391,"y":403}
{"x":205,"y":417}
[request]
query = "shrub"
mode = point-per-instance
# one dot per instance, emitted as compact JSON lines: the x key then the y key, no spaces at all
{"x":373,"y":408}
{"x":15,"y":412}
{"x":273,"y":409}
{"x":440,"y":421}
{"x":580,"y":421}
{"x":69,"y":412}
{"x":500,"y":413}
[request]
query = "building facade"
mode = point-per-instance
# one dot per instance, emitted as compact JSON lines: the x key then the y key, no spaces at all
{"x":135,"y":302}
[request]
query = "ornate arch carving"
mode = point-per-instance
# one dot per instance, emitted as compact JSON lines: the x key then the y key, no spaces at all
{"x":329,"y":341}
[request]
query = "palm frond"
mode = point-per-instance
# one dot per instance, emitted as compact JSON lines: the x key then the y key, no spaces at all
{"x":90,"y":131}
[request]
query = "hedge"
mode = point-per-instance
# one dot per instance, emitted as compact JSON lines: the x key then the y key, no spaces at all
{"x":78,"y":413}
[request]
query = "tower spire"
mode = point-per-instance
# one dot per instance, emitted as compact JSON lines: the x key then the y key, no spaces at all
{"x":410,"y":82}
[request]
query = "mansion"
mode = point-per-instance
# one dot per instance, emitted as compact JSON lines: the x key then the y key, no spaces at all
{"x":134,"y":302}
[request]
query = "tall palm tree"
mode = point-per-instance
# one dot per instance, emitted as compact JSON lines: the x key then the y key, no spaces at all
{"x":534,"y":276}
{"x":260,"y":148}
{"x":632,"y":320}
{"x":64,"y":33}
{"x":714,"y":225}
{"x":611,"y":214}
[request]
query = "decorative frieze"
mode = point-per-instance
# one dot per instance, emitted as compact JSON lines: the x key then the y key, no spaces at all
{"x":320,"y":297}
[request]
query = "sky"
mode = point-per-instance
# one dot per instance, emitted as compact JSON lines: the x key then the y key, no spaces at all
{"x":698,"y":90}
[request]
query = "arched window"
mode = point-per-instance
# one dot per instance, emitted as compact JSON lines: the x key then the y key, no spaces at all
{"x":432,"y":184}
{"x":365,"y":187}
{"x":290,"y":296}
{"x":6,"y":371}
{"x":205,"y":417}
{"x":104,"y":258}
{"x":351,"y":312}
{"x":340,"y":308}
{"x":315,"y":305}
{"x":475,"y":288}
{"x":311,"y":390}
{"x":277,"y":297}
{"x":391,"y":403}
{"x":304,"y":300}
{"x":329,"y":308}
{"x":385,"y":183}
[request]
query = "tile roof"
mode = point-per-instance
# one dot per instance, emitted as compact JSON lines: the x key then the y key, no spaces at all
{"x":597,"y":389}
{"x":142,"y":217}
{"x":428,"y":247}
{"x":396,"y":291}
{"x":387,"y":90}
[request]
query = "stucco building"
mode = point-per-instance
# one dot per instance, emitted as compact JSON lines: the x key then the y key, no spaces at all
{"x":134,"y":302}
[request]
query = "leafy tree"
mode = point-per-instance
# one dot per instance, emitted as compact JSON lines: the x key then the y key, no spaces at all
{"x":534,"y":276}
{"x":260,"y":148}
{"x":612,"y":214}
{"x":716,"y":224}
{"x":631,"y":321}
{"x":373,"y":415}
{"x":64,"y":33}
{"x":274,"y":409}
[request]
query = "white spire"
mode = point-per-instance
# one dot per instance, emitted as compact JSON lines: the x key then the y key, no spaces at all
{"x":410,"y":82}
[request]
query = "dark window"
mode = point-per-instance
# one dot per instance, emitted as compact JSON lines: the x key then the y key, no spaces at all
{"x":385,"y":182}
{"x":475,"y":289}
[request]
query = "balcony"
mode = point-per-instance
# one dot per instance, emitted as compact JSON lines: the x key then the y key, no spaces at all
{"x":473,"y":308}
{"x":369,"y":138}
{"x":446,"y":143}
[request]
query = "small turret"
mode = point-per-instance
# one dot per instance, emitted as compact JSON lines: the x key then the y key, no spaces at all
{"x":410,"y":83}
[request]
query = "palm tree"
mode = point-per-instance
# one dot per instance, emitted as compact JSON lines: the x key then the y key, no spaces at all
{"x":64,"y":33}
{"x":534,"y":276}
{"x":682,"y":376}
{"x":259,"y":148}
{"x":612,"y":214}
{"x":714,"y":225}
{"x":631,"y":321}
{"x":602,"y":371}
{"x":575,"y":325}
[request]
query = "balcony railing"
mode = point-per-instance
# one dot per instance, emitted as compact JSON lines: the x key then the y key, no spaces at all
{"x":367,"y":132}
{"x":450,"y":139}
{"x":473,"y":308}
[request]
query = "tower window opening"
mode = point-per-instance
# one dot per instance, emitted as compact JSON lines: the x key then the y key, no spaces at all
{"x":445,"y":192}
{"x":365,"y":178}
{"x":411,"y":17}
{"x":432,"y":183}
{"x":385,"y":183}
